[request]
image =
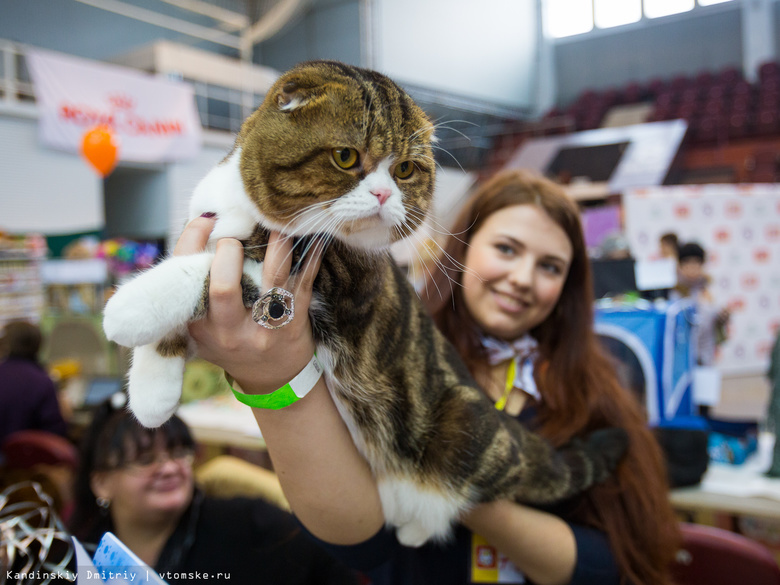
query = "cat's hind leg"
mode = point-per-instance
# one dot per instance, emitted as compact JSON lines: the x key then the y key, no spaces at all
{"x":155,"y":379}
{"x":157,"y":301}
{"x":419,"y":514}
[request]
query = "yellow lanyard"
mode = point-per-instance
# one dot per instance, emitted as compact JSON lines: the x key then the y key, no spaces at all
{"x":508,"y":386}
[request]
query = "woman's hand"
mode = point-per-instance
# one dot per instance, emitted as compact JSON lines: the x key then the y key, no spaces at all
{"x":261,"y":360}
{"x":327,"y":482}
{"x":539,"y":544}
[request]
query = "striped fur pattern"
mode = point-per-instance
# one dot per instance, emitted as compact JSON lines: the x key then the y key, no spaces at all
{"x":435,"y":443}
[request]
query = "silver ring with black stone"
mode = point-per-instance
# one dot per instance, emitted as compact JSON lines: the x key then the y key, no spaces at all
{"x":274,"y":309}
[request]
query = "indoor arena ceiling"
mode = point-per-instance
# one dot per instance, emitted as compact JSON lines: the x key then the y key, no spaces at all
{"x":467,"y":127}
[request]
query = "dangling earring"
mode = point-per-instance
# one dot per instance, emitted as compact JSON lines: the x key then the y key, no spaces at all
{"x":103,"y":504}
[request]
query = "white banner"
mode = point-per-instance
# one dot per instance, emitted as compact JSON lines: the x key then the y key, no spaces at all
{"x":154,"y":119}
{"x":739,"y":227}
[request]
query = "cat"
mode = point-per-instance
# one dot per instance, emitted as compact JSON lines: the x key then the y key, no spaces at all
{"x":345,"y":152}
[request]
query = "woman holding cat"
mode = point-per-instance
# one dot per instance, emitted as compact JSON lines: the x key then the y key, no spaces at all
{"x":520,"y":314}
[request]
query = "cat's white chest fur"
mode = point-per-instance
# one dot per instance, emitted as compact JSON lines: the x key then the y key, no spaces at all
{"x":222,"y":192}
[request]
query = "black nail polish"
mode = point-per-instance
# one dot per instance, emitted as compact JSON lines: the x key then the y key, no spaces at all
{"x":208,"y":214}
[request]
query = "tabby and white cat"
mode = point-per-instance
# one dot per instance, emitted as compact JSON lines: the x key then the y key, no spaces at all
{"x":343,"y":151}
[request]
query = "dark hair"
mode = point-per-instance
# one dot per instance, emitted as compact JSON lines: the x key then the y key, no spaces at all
{"x":577,"y":379}
{"x":114,"y":439}
{"x":691,"y":250}
{"x":22,"y":340}
{"x":671,"y":239}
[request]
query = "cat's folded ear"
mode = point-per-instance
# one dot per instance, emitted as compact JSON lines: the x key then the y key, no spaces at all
{"x":292,"y":96}
{"x":301,"y":86}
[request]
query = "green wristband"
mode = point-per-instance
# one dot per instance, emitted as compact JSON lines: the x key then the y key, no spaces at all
{"x":288,"y":394}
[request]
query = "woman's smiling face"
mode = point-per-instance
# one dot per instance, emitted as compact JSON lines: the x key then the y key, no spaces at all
{"x":516,"y":266}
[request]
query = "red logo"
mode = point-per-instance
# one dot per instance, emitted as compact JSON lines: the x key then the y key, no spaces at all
{"x":682,"y":211}
{"x":722,"y":235}
{"x":736,"y":304}
{"x":763,"y":348}
{"x":773,"y":232}
{"x":121,"y":102}
{"x":120,"y":117}
{"x":750,"y":281}
{"x":733,"y":209}
{"x":486,"y":557}
{"x":761,"y":255}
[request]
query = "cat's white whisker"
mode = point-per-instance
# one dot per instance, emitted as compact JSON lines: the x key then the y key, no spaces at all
{"x":367,"y":116}
{"x":322,"y":234}
{"x":442,"y":125}
{"x":313,"y":210}
{"x":424,"y":265}
{"x":444,"y":150}
{"x":431,"y":220}
{"x":456,"y":265}
{"x":315,"y":245}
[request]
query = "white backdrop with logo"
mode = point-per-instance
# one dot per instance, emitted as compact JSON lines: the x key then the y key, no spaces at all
{"x":739,"y":227}
{"x":155,"y":119}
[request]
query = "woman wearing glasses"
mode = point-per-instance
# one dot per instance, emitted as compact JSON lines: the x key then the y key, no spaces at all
{"x":138,"y":483}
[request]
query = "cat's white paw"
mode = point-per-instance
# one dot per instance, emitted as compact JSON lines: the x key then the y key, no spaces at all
{"x":154,"y":385}
{"x":420,"y":514}
{"x":413,"y":534}
{"x":157,"y":301}
{"x":125,"y":319}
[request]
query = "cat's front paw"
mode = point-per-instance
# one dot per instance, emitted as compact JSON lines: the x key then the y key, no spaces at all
{"x":157,"y":301}
{"x":126,"y":321}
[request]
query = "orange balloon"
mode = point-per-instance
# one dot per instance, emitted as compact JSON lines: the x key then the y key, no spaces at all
{"x":99,"y":147}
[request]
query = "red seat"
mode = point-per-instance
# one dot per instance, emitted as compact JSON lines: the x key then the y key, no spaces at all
{"x":25,"y":449}
{"x":633,"y":93}
{"x":729,"y":75}
{"x":713,"y":556}
{"x":769,"y":70}
{"x":739,"y":125}
{"x":767,"y":122}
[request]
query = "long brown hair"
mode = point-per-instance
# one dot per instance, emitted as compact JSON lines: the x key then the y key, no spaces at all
{"x":576,"y":378}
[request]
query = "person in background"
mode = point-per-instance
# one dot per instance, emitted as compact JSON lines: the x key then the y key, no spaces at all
{"x":28,"y":396}
{"x":614,"y":247}
{"x":693,"y":282}
{"x":773,"y":411}
{"x":669,"y":245}
{"x":521,"y":295}
{"x":138,"y":483}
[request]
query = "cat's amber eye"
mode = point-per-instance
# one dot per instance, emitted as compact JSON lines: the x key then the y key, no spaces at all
{"x":345,"y":158}
{"x":404,"y":170}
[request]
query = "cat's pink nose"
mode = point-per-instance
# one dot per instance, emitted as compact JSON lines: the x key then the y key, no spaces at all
{"x":381,"y":193}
